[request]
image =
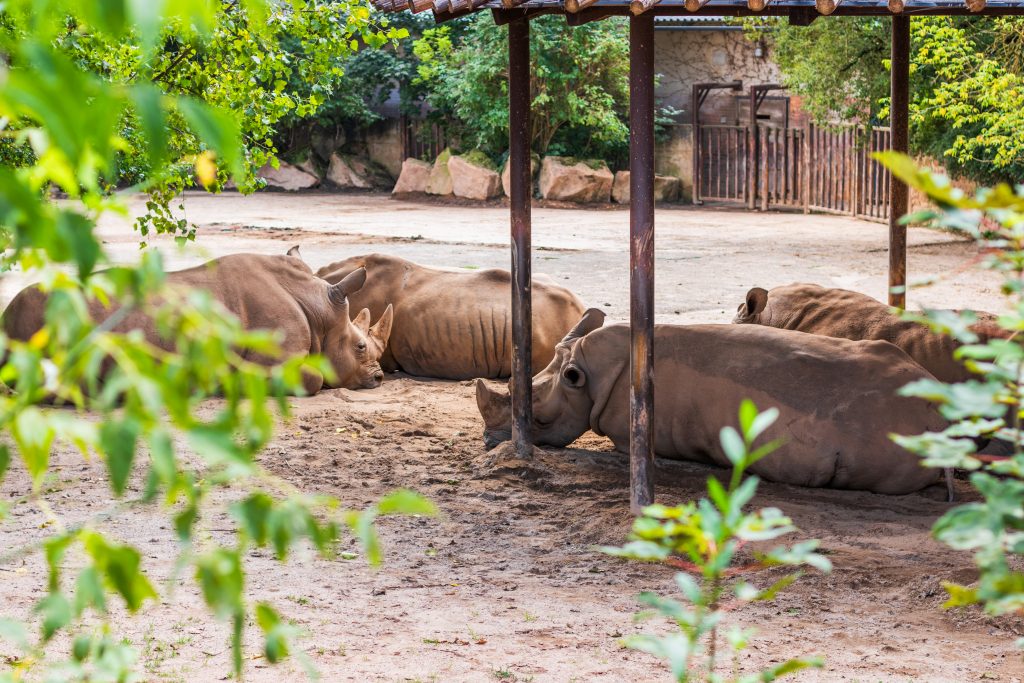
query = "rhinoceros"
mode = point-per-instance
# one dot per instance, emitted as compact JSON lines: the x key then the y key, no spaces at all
{"x":837,"y":400}
{"x":265,"y":292}
{"x":455,"y":324}
{"x":852,"y":315}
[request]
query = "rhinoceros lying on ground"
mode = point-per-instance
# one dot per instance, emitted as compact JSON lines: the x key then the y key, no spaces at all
{"x":455,"y":324}
{"x":837,"y":400}
{"x":265,"y":292}
{"x":852,"y":315}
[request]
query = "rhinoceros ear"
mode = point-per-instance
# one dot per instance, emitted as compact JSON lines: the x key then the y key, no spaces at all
{"x":362,"y":321}
{"x":592,"y":319}
{"x":757,"y":299}
{"x":489,"y":402}
{"x":381,"y":331}
{"x":294,"y":251}
{"x":349,"y":284}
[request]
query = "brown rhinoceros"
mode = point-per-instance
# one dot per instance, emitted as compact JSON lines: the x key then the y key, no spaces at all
{"x":265,"y":292}
{"x":455,"y":324}
{"x":837,"y":400}
{"x":852,"y":315}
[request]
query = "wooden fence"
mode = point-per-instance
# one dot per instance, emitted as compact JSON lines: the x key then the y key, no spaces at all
{"x":421,"y":140}
{"x":814,"y":168}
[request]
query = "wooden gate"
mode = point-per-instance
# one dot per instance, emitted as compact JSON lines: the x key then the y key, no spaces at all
{"x":722,"y":164}
{"x":828,"y":170}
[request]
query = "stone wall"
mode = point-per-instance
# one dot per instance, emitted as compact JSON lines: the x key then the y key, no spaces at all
{"x":688,"y":56}
{"x":673,"y":156}
{"x":384,"y":145}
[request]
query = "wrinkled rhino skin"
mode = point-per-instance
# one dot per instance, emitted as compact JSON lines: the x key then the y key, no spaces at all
{"x":455,"y":324}
{"x":837,"y":401}
{"x":851,"y":315}
{"x":265,"y":292}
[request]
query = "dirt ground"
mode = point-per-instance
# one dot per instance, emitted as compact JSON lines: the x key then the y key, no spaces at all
{"x":506,"y":584}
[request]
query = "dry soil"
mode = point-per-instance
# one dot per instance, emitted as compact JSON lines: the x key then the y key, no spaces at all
{"x":506,"y":584}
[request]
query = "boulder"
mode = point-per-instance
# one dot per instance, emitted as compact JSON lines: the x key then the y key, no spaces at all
{"x":473,"y":176}
{"x":534,"y":167}
{"x":309,"y":166}
{"x":666,"y":188}
{"x":571,"y":180}
{"x":287,"y":178}
{"x":413,"y":177}
{"x":347,"y":171}
{"x":440,"y":180}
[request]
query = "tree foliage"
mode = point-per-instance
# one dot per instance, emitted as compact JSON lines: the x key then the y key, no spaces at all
{"x":88,"y":86}
{"x":967,"y":92}
{"x":580,"y":85}
{"x":262,"y":62}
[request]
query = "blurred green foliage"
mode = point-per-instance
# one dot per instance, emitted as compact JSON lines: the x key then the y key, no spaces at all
{"x":183,"y":89}
{"x":989,"y":406}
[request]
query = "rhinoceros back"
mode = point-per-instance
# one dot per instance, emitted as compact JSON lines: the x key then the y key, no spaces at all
{"x":837,"y":402}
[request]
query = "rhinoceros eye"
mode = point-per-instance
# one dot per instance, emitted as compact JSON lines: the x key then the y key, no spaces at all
{"x":361,"y":346}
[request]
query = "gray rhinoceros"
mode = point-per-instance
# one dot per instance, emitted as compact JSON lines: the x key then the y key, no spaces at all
{"x":837,"y":400}
{"x":455,"y":324}
{"x":265,"y":292}
{"x":852,"y":315}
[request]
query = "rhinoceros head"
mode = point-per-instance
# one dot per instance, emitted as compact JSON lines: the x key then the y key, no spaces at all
{"x":354,"y":347}
{"x":561,"y":401}
{"x":752,"y":307}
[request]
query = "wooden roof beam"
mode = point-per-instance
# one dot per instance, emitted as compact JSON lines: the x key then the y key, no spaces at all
{"x":826,"y":7}
{"x":694,"y":5}
{"x":638,"y":7}
{"x":757,"y":5}
{"x":975,"y":6}
{"x":896,"y":6}
{"x":574,"y":6}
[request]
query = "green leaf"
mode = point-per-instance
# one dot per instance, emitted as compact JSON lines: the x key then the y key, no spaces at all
{"x":118,"y":440}
{"x":120,"y":567}
{"x":56,"y":612}
{"x":959,"y":596}
{"x":733,"y":446}
{"x":405,"y":502}
{"x":218,"y":129}
{"x":147,"y":101}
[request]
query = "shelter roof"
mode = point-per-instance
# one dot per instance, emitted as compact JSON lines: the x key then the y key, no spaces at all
{"x":799,"y":11}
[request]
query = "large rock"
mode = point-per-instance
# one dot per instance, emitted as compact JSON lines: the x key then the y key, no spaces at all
{"x":666,"y":188}
{"x":440,"y":180}
{"x":473,"y":177}
{"x":288,"y":178}
{"x":571,"y":180}
{"x":413,"y":177}
{"x":506,"y":172}
{"x":347,"y":171}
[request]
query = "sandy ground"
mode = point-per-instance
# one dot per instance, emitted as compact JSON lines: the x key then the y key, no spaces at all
{"x":506,"y":584}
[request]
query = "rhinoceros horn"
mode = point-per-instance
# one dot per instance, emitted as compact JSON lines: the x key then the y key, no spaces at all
{"x":352,"y":282}
{"x":592,"y":319}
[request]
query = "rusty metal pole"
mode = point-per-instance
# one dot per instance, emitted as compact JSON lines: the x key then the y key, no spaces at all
{"x":899,"y":116}
{"x":641,"y":260}
{"x":695,"y":137}
{"x":520,"y":190}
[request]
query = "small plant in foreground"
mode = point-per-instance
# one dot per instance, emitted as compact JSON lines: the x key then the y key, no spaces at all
{"x":703,"y":538}
{"x":988,"y":406}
